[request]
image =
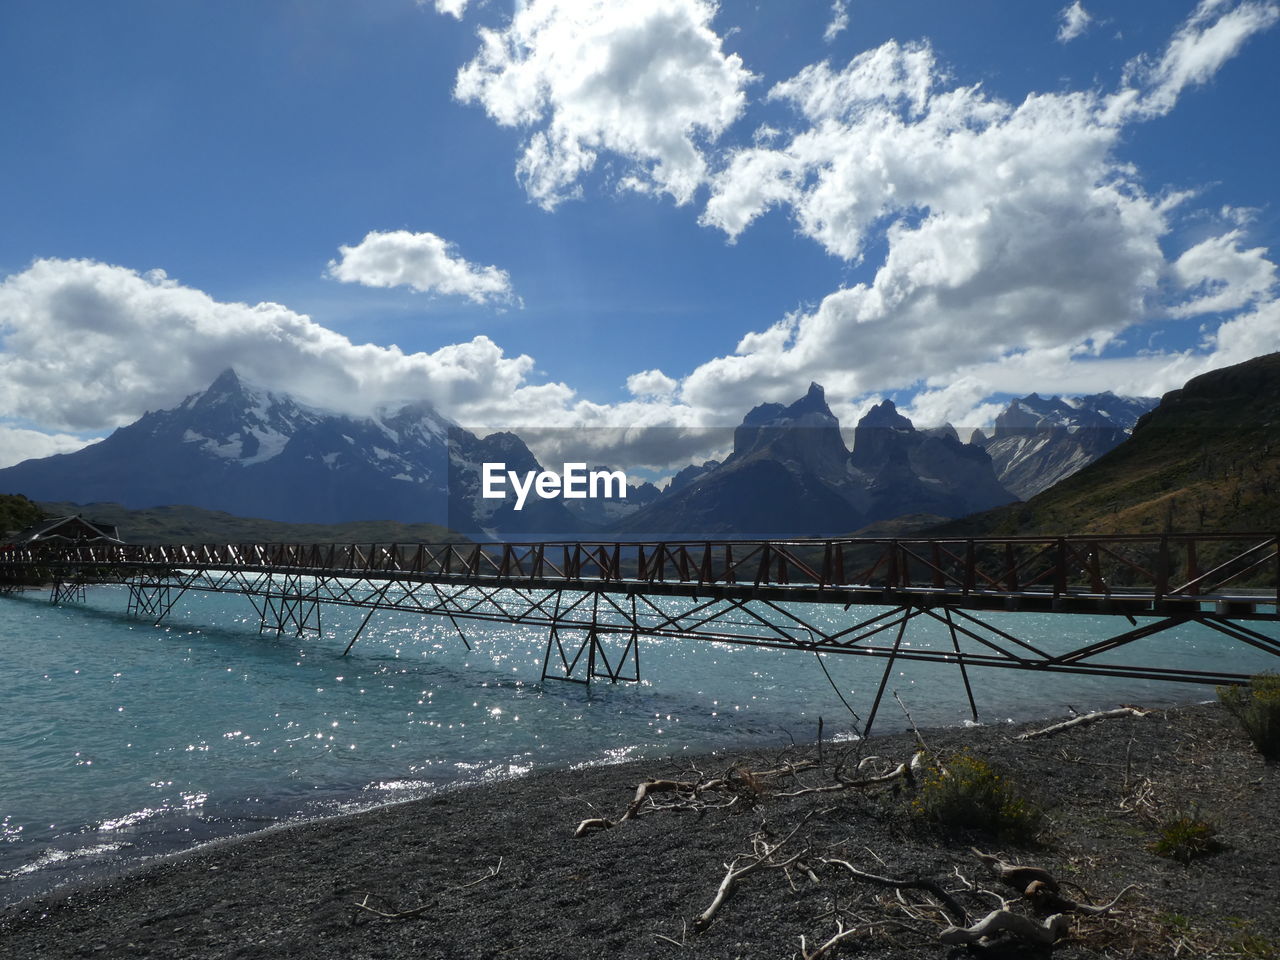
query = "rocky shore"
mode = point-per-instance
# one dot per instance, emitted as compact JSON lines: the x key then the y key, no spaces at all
{"x":496,"y":871}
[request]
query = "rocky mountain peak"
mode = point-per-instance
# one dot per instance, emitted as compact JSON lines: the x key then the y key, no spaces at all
{"x":804,"y":435}
{"x":1038,"y":441}
{"x":875,"y":438}
{"x":885,"y":414}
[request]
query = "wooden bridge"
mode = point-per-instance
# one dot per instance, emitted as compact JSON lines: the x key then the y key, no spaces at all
{"x":597,"y":600}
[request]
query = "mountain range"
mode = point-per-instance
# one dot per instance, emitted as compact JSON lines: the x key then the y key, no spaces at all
{"x":790,"y":474}
{"x":253,"y":452}
{"x":1036,"y":441}
{"x":1206,"y":459}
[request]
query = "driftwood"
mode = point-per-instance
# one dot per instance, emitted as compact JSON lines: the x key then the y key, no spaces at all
{"x":762,"y":858}
{"x":948,"y":902}
{"x":1042,"y":889}
{"x":903,"y":771}
{"x":1005,"y":921}
{"x":740,"y":782}
{"x":1015,"y":876}
{"x":842,"y":933}
{"x":1083,"y":719}
{"x":1047,"y":900}
{"x":374,"y":903}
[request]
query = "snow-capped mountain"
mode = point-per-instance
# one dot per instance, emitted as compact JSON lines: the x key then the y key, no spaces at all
{"x":257,"y":453}
{"x":790,"y":474}
{"x":1038,"y":441}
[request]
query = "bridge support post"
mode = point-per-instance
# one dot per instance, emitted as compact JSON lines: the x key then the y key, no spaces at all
{"x":152,"y":599}
{"x":290,"y":613}
{"x":596,"y":664}
{"x":67,"y":591}
{"x":291,"y":609}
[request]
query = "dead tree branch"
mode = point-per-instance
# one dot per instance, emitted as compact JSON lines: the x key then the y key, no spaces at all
{"x":1004,"y":921}
{"x":1084,"y":718}
{"x":946,"y":900}
{"x":761,"y":859}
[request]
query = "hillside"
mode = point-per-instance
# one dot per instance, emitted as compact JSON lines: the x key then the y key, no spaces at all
{"x":186,"y":524}
{"x":17,"y":513}
{"x":1206,"y":459}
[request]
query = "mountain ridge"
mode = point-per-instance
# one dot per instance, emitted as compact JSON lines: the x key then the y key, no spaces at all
{"x":1207,"y":458}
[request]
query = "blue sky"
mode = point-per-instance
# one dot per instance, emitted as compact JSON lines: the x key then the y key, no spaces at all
{"x":579,"y":213}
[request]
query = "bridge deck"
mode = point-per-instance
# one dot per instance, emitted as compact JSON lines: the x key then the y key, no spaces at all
{"x":743,"y":592}
{"x":1162,"y":575}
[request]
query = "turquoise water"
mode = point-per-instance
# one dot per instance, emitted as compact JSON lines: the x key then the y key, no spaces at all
{"x":122,"y":740}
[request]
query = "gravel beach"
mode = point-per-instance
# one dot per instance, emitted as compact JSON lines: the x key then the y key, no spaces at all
{"x":496,"y":871}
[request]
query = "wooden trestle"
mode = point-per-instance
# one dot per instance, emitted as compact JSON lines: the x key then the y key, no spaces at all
{"x":596,"y":601}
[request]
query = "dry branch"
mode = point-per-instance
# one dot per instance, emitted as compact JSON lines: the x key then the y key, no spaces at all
{"x":367,"y":904}
{"x":1047,"y":900}
{"x":762,"y":858}
{"x":948,"y":902}
{"x":1004,"y":921}
{"x":1016,"y":876}
{"x":1040,"y":887}
{"x":1083,"y":719}
{"x":842,"y":933}
{"x":737,"y":782}
{"x":903,"y":771}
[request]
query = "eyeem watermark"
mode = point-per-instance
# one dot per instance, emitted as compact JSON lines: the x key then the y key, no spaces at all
{"x":573,"y":483}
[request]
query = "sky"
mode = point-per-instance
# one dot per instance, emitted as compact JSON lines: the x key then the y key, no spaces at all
{"x":587,"y":214}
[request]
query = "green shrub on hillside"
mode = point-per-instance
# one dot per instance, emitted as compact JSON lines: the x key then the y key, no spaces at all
{"x":1257,"y":707}
{"x":17,"y":513}
{"x":1185,"y":837}
{"x":965,"y":792}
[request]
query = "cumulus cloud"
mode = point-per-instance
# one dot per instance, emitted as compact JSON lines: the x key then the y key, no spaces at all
{"x":1008,"y":227}
{"x":1223,"y":276}
{"x":839,"y":22}
{"x":1073,"y":20}
{"x":1212,"y":35}
{"x":960,"y":403}
{"x":18,"y":444}
{"x":421,"y":261}
{"x":651,"y":383}
{"x":1011,"y":229}
{"x":89,"y":346}
{"x":454,"y":8}
{"x":1247,"y":335}
{"x":649,"y":83}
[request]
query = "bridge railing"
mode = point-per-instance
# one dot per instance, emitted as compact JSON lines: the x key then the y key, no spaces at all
{"x":1171,"y":566}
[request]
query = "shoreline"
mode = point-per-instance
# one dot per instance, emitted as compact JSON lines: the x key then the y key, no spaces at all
{"x":174,"y":840}
{"x":291,"y":889}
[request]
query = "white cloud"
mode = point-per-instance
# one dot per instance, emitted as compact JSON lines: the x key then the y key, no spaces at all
{"x":18,"y":444}
{"x":89,"y":346}
{"x":647,"y":82}
{"x":1012,"y":230}
{"x":1008,"y":227}
{"x":1246,"y":335}
{"x":1074,"y":20}
{"x":1212,"y":35}
{"x":959,"y":403}
{"x":839,"y":20}
{"x":454,"y":8}
{"x":1019,"y":244}
{"x":651,"y":383}
{"x":421,"y":261}
{"x":1223,"y":276}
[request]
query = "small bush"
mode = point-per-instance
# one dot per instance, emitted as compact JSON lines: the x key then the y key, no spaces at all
{"x":1186,"y":837}
{"x":1257,"y":707}
{"x":965,"y":792}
